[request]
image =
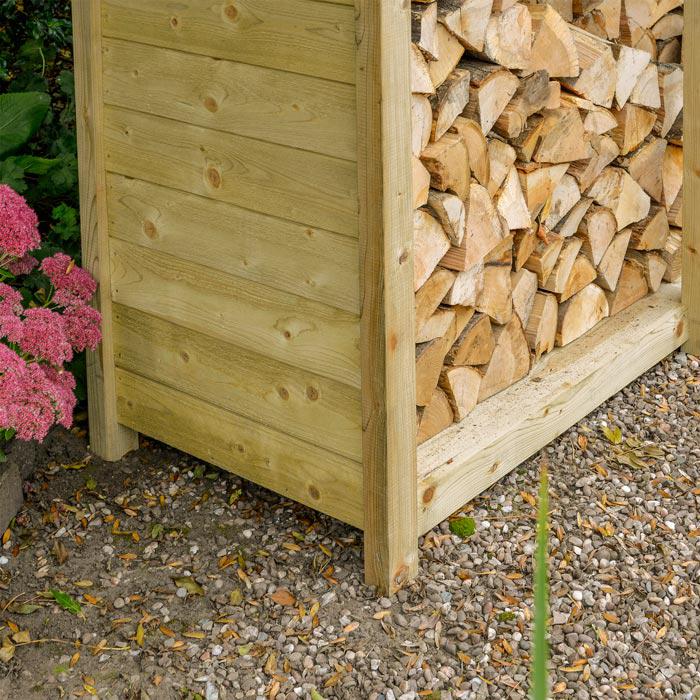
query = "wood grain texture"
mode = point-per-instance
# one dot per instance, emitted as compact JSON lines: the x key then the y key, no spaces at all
{"x":108,"y":439}
{"x":299,"y":332}
{"x":295,"y":469}
{"x":386,"y":285}
{"x":310,"y":262}
{"x":567,"y":384}
{"x":691,"y":185}
{"x":271,"y":105}
{"x":298,"y":185}
{"x":302,"y":36}
{"x":293,"y":401}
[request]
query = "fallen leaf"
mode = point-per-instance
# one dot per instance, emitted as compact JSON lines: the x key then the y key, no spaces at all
{"x":23,"y":608}
{"x":60,"y":552}
{"x":614,"y":435}
{"x":381,"y":614}
{"x":189,"y":584}
{"x":283,"y":597}
{"x":139,"y":634}
{"x":66,"y":602}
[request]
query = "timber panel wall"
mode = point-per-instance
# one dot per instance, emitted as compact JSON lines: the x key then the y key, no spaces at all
{"x":231,"y":178}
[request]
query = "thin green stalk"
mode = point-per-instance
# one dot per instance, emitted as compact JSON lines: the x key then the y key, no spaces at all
{"x":540,"y":655}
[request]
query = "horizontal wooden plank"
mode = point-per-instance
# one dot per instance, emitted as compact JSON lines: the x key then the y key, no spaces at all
{"x":293,"y":401}
{"x":275,"y":324}
{"x":302,"y":36}
{"x":566,"y":385}
{"x":313,"y":263}
{"x":296,"y":469}
{"x":287,"y":182}
{"x":263,"y":103}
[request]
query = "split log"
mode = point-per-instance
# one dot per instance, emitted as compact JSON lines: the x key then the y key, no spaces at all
{"x":524,"y":286}
{"x":477,"y":147}
{"x":559,"y":277}
{"x":600,"y":17}
{"x":668,"y":27}
{"x":599,"y":120}
{"x":646,"y":167}
{"x":675,"y":213}
{"x":501,"y":158}
{"x":467,"y":20}
{"x":502,"y":252}
{"x":671,"y":88}
{"x":447,"y":160}
{"x":673,"y":255}
{"x":531,"y":96}
{"x":421,"y":182}
{"x":539,"y":182}
{"x":654,"y":267}
{"x":565,"y":196}
{"x":616,"y":190}
{"x":582,"y":274}
{"x":496,"y":297}
{"x":461,"y":386}
{"x":475,"y":343}
{"x":492,"y":88}
{"x":483,"y":232}
{"x":670,"y":52}
{"x":420,"y":74}
{"x":435,"y":417}
{"x":650,"y":233}
{"x":424,"y":28}
{"x":544,"y":256}
{"x":511,"y":204}
{"x":586,"y":172}
{"x":450,"y":51}
{"x":429,"y":359}
{"x":523,"y":245}
{"x":646,"y":92}
{"x":510,"y":361}
{"x":556,"y":136}
{"x":450,"y":212}
{"x":610,"y":265}
{"x":466,"y":287}
{"x":631,"y":63}
{"x":554,"y":99}
{"x":449,"y":101}
{"x":553,"y":47}
{"x":541,"y":329}
{"x":631,"y":287}
{"x":597,"y":230}
{"x":672,"y":174}
{"x":634,"y":124}
{"x":569,"y":225}
{"x":421,"y":123}
{"x":581,"y":313}
{"x":429,"y":296}
{"x":430,"y":243}
{"x":436,"y":326}
{"x":508,"y":39}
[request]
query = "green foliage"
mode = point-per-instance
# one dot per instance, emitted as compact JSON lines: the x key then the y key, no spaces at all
{"x":540,"y":655}
{"x":67,"y":602}
{"x":464,"y":527}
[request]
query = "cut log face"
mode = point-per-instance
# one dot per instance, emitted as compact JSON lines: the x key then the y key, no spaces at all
{"x":581,"y":313}
{"x":475,"y":343}
{"x":653,"y":264}
{"x":511,"y":204}
{"x":553,"y":47}
{"x":616,"y":190}
{"x":477,"y":147}
{"x":450,"y":212}
{"x":597,"y":229}
{"x":492,"y":88}
{"x":510,"y":361}
{"x":672,"y":174}
{"x":435,"y":417}
{"x":449,"y":53}
{"x":447,"y":160}
{"x":501,"y":158}
{"x":559,"y":277}
{"x":646,"y":167}
{"x":420,"y":178}
{"x":545,"y":255}
{"x":631,"y":287}
{"x":508,"y":39}
{"x":421,"y":123}
{"x":646,"y":92}
{"x":436,"y":326}
{"x":541,"y":329}
{"x":569,"y":225}
{"x":650,"y":233}
{"x":671,"y":87}
{"x":523,"y":245}
{"x":466,"y":287}
{"x":631,"y":63}
{"x":582,"y":274}
{"x":496,"y":299}
{"x":531,"y":96}
{"x":524,"y":286}
{"x":467,"y":20}
{"x":586,"y":172}
{"x":539,"y":182}
{"x":429,"y":296}
{"x":634,"y":125}
{"x":461,"y":386}
{"x":424,"y":29}
{"x":564,"y":198}
{"x":430,"y":243}
{"x":611,"y":263}
{"x":420,"y":74}
{"x":672,"y":255}
{"x":449,"y":101}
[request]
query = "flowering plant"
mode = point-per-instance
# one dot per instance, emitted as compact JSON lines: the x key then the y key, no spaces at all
{"x":44,"y":319}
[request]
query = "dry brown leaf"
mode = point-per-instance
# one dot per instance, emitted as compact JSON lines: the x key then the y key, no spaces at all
{"x":283,"y":597}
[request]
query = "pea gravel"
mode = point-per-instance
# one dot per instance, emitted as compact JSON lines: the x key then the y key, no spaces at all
{"x":195,"y":584}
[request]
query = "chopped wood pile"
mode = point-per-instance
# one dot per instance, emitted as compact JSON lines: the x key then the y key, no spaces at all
{"x":547,"y":142}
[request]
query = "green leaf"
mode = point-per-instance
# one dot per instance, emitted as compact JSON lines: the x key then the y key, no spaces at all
{"x":67,"y":602}
{"x":91,"y":483}
{"x":315,"y":695}
{"x":540,"y":656}
{"x":614,"y":435}
{"x":34,"y":165}
{"x":21,"y":115}
{"x":464,"y":527}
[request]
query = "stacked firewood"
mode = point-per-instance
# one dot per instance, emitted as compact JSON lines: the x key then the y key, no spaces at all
{"x":547,"y":181}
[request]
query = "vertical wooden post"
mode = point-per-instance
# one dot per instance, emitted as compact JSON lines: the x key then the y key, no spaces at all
{"x":691,"y":183}
{"x":107,"y":438}
{"x":386,"y":286}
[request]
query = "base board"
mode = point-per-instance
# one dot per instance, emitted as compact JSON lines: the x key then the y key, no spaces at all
{"x":564,"y":386}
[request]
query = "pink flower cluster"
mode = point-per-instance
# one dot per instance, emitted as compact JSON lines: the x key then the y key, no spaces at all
{"x":38,"y":336}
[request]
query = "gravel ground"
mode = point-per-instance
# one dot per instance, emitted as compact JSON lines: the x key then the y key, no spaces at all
{"x":194,"y":584}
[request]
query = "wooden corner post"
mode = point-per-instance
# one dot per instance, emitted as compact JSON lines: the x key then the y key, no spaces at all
{"x":108,"y":439}
{"x":386,"y":288}
{"x":691,"y":186}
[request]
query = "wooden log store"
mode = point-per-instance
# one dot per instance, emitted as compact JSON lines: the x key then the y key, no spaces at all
{"x":372,"y":254}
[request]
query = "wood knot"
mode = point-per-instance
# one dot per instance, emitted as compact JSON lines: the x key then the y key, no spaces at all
{"x":428,"y":494}
{"x":211,"y":104}
{"x":149,"y":229}
{"x":401,"y":576}
{"x":283,"y":393}
{"x":312,"y":393}
{"x":314,"y":493}
{"x":231,"y":12}
{"x":214,"y":177}
{"x":680,"y":328}
{"x":403,"y":257}
{"x":393,"y":342}
{"x":174,"y":22}
{"x":184,"y":356}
